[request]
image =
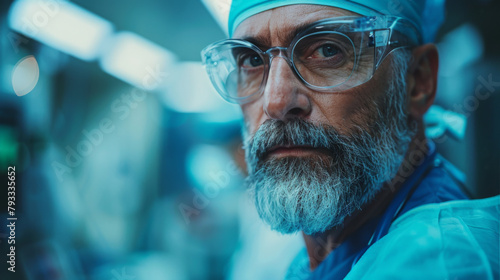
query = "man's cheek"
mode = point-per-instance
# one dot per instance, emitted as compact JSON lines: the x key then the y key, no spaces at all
{"x":254,"y":116}
{"x":246,"y":131}
{"x":250,"y":128}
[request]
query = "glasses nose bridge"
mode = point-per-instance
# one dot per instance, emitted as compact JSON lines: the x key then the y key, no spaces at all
{"x":278,"y":52}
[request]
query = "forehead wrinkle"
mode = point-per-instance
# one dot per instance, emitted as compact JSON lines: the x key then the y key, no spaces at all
{"x":274,"y":27}
{"x":284,"y":37}
{"x":287,"y":37}
{"x":282,"y":32}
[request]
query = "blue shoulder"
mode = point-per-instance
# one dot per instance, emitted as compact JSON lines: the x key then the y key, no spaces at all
{"x":451,"y":240}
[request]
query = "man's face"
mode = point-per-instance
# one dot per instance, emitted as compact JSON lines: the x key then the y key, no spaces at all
{"x":316,"y":157}
{"x":284,"y":93}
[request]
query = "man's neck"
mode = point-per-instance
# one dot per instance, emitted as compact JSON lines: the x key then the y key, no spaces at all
{"x":320,"y":245}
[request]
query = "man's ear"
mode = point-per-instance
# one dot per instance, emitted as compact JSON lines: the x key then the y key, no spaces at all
{"x":422,"y":79}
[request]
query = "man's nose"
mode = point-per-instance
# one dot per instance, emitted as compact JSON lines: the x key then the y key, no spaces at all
{"x":284,"y":96}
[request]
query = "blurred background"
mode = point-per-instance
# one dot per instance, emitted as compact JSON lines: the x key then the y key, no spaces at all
{"x":129,"y":166}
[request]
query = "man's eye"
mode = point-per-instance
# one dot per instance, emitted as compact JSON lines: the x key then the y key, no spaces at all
{"x":327,"y":50}
{"x":251,"y":61}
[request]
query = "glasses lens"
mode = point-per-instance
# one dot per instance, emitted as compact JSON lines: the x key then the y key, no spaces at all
{"x":325,"y":59}
{"x":237,"y":70}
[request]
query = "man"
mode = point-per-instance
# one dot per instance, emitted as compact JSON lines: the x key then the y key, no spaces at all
{"x":333,"y":94}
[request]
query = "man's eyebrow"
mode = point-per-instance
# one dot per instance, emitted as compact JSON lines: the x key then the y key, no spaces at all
{"x":265,"y":42}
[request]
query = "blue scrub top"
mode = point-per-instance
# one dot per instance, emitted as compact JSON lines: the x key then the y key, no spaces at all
{"x":434,"y":182}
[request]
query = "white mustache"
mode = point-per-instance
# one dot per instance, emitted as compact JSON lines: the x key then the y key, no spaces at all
{"x":294,"y":132}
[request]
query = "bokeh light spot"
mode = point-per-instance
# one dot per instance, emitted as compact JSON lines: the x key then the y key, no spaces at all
{"x":25,"y":75}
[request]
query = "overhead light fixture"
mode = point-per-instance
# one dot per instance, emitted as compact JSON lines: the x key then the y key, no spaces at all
{"x":219,"y":9}
{"x":61,"y":25}
{"x":137,"y":61}
{"x":189,"y":90}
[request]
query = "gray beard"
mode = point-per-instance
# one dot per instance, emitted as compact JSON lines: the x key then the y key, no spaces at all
{"x":315,"y":193}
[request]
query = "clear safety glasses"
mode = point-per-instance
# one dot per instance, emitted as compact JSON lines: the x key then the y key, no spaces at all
{"x":330,"y":55}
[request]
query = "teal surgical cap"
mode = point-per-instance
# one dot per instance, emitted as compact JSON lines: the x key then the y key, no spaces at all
{"x":426,"y":15}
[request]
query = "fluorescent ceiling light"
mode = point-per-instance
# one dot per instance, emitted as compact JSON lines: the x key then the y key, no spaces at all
{"x":61,"y":25}
{"x":219,"y":9}
{"x":189,"y":90}
{"x":137,"y":61}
